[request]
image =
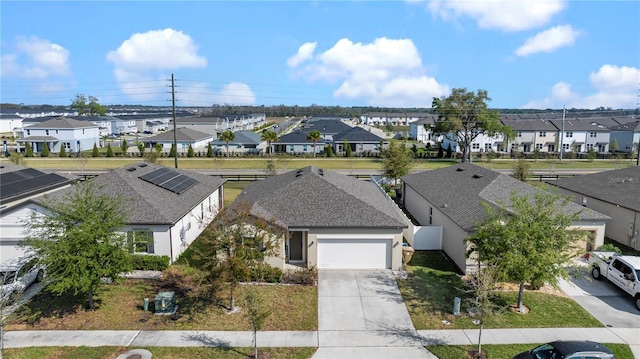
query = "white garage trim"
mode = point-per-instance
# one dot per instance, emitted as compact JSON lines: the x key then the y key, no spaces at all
{"x":354,"y":253}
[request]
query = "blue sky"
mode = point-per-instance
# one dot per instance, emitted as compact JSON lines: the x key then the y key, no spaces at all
{"x":526,"y":54}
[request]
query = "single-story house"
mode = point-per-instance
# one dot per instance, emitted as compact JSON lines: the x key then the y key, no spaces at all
{"x":615,"y":193}
{"x":359,"y":139}
{"x":329,"y":220}
{"x":166,"y":208}
{"x":19,"y":184}
{"x":244,"y":142}
{"x":185,"y":137}
{"x":452,"y":198}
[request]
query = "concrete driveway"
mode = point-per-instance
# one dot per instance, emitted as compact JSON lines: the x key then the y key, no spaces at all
{"x":606,"y":302}
{"x":361,"y":314}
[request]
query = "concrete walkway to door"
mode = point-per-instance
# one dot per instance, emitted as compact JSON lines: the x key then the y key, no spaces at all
{"x":361,"y":314}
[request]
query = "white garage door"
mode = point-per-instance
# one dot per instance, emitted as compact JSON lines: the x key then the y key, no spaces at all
{"x":354,"y":253}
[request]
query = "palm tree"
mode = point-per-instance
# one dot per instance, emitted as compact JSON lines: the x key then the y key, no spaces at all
{"x":228,"y":136}
{"x":314,"y":136}
{"x":270,"y":137}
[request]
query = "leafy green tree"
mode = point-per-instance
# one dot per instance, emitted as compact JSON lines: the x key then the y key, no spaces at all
{"x":45,"y":149}
{"x":257,"y":313}
{"x":109,"y":151}
{"x":270,"y":168}
{"x":28,"y":150}
{"x":464,"y":115}
{"x":124,"y":146}
{"x":613,"y":147}
{"x":530,"y":243}
{"x":592,"y":154}
{"x":521,"y":170}
{"x":87,"y":106}
{"x":172,"y":151}
{"x":63,"y":152}
{"x":79,"y":240}
{"x":209,"y":150}
{"x":396,"y":161}
{"x":227,"y":136}
{"x":328,"y":149}
{"x":95,"y":152}
{"x":190,"y":152}
{"x":270,"y":137}
{"x":314,"y":136}
{"x":140,"y":146}
{"x":481,"y":302}
{"x":232,"y":244}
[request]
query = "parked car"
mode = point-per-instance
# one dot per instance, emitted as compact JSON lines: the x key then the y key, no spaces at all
{"x":621,"y":271}
{"x":568,"y":349}
{"x":148,"y":132}
{"x":17,"y":274}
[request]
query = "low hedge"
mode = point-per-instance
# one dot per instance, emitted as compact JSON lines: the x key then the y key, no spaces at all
{"x":149,"y":262}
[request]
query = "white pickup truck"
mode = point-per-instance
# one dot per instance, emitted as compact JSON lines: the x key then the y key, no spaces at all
{"x":623,"y":271}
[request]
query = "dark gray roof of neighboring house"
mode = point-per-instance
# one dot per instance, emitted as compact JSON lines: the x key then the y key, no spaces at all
{"x":629,"y":126}
{"x":38,"y":138}
{"x":620,"y":187}
{"x":572,"y":124}
{"x":147,"y":203}
{"x":529,"y":125}
{"x":242,"y":138}
{"x":19,"y":182}
{"x":426,"y":119}
{"x":357,"y":134}
{"x":312,"y":197}
{"x":327,"y":127}
{"x":459,"y":190}
{"x":183,"y":134}
{"x":296,"y":137}
{"x":62,"y":123}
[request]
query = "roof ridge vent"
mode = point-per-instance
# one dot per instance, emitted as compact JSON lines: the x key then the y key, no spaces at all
{"x":142,"y":165}
{"x":460,"y":169}
{"x":131,"y":169}
{"x":320,"y":171}
{"x":477,"y":175}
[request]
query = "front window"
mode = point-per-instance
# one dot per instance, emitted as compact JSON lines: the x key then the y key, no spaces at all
{"x":592,"y":134}
{"x":46,"y":132}
{"x":140,"y":241}
{"x":519,"y":134}
{"x":538,"y":146}
{"x":543,"y":134}
{"x":569,"y":134}
{"x":566,"y":146}
{"x":475,"y":146}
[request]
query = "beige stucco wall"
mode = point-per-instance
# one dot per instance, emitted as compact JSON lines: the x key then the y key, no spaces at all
{"x":618,"y":228}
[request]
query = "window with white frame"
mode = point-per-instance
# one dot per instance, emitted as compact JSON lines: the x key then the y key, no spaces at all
{"x":430,"y":215}
{"x":568,"y":134}
{"x":589,"y":146}
{"x":140,"y":241}
{"x":543,"y":134}
{"x":593,"y":134}
{"x":46,"y":132}
{"x":28,"y":132}
{"x":538,"y":146}
{"x":475,"y":146}
{"x":514,"y":146}
{"x":566,"y":146}
{"x":66,"y":145}
{"x":487,"y":147}
{"x":519,"y":134}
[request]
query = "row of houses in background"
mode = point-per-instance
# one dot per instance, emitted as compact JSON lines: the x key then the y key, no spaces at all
{"x":545,"y":133}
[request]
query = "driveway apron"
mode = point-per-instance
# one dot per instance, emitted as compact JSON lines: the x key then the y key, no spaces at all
{"x":362,"y":314}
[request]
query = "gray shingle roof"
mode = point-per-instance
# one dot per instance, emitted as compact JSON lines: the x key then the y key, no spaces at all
{"x":242,"y":138}
{"x":630,"y":126}
{"x":147,"y":203}
{"x":312,"y":197}
{"x":357,"y":134}
{"x":529,"y":125}
{"x":62,"y":123}
{"x":183,"y":134}
{"x":620,"y":187}
{"x":459,"y":190}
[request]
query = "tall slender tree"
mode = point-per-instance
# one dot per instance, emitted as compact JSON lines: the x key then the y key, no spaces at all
{"x":227,"y":136}
{"x":270,"y":137}
{"x":314,"y":136}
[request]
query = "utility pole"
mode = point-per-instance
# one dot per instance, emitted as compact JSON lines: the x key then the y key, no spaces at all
{"x":562,"y":133}
{"x":175,"y":135}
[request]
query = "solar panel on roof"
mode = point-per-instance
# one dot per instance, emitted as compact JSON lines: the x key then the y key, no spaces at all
{"x":20,"y":175}
{"x":170,"y":180}
{"x":8,"y":190}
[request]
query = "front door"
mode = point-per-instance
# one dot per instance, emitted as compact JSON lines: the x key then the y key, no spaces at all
{"x":296,"y":253}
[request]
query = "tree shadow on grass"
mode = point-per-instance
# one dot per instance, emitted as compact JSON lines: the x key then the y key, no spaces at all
{"x":206,"y":340}
{"x":51,"y":305}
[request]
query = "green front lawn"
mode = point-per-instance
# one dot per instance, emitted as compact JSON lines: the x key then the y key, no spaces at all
{"x":157,"y":352}
{"x":120,"y":307}
{"x":433,"y":284}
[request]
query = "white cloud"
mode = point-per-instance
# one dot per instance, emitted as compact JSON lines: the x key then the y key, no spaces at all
{"x":615,"y":87}
{"x":507,"y":15}
{"x":305,"y":52}
{"x":549,"y":40}
{"x":35,"y":58}
{"x":200,"y":94}
{"x":386,"y":72}
{"x":166,"y":49}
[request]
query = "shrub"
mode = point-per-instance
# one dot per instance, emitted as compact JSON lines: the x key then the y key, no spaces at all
{"x":28,"y":150}
{"x":265,"y":273}
{"x":45,"y":149}
{"x":609,"y":247}
{"x":180,"y":278}
{"x":147,"y":262}
{"x":95,"y":152}
{"x":304,"y":276}
{"x":190,"y":152}
{"x":109,"y":151}
{"x":63,"y":152}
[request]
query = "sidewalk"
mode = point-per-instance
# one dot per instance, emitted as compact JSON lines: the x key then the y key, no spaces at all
{"x":134,"y":338}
